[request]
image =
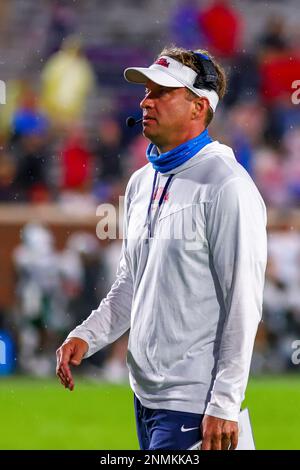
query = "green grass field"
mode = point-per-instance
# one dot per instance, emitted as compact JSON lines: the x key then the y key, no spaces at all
{"x":40,"y":414}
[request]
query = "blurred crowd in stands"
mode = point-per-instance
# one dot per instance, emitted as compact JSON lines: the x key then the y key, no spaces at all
{"x":63,"y":140}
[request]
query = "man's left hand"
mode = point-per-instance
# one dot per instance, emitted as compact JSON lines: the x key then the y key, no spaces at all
{"x":219,"y":434}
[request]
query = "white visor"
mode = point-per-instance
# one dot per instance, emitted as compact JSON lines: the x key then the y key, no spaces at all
{"x":170,"y":73}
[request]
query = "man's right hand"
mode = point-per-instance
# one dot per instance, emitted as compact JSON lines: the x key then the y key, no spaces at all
{"x":70,"y":352}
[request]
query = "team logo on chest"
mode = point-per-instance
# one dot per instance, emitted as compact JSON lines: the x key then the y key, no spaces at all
{"x":158,"y":193}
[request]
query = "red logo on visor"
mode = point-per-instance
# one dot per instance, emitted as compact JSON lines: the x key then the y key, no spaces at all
{"x":162,"y":62}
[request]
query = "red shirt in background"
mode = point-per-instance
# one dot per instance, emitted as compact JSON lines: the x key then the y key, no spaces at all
{"x":76,"y":162}
{"x":222,"y":27}
{"x":278,"y":71}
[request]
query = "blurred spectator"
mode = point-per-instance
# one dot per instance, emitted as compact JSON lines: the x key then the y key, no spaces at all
{"x":278,"y":71}
{"x":184,"y":28}
{"x":269,"y":173}
{"x":67,"y":80}
{"x":75,"y":174}
{"x":29,"y":139}
{"x":222,"y":26}
{"x":277,"y":171}
{"x":76,"y":160}
{"x":282,"y":116}
{"x":245,"y":125}
{"x":111,"y":157}
{"x":279,"y":65}
{"x":243,"y":79}
{"x":28,"y":119}
{"x":274,"y":34}
{"x":63,"y":22}
{"x":279,"y":62}
{"x":108,"y":150}
{"x":40,"y":299}
{"x":83,"y":274}
{"x":32,"y":169}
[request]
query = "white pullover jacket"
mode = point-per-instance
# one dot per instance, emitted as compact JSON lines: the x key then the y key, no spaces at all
{"x":192,"y":294}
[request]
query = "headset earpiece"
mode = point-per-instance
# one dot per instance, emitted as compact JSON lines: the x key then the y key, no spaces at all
{"x":207,"y":75}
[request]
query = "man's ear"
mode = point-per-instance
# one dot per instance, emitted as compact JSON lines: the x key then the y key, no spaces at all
{"x":200,"y":107}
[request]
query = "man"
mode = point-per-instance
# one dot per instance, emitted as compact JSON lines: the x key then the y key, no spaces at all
{"x":190,"y":280}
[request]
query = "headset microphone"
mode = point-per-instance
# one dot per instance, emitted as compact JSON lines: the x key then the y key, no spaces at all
{"x":130,"y":121}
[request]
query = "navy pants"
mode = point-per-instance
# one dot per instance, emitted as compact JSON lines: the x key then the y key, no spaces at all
{"x":165,"y":429}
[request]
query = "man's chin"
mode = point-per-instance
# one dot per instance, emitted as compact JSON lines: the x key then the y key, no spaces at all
{"x":147,"y":133}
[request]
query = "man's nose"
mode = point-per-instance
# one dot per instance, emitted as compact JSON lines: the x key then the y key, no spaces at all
{"x":146,"y":102}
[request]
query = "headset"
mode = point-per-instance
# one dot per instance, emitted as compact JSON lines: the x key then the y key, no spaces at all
{"x":207,"y":75}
